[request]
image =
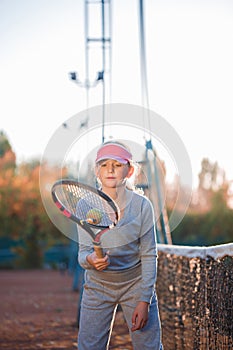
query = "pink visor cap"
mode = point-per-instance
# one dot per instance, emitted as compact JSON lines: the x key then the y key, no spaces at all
{"x":114,"y":151}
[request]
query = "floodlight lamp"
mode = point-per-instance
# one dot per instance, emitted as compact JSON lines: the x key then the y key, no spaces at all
{"x":73,"y":76}
{"x":100,"y":76}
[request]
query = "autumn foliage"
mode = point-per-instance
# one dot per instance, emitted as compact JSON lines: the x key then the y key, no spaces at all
{"x":23,"y":218}
{"x":209,"y":220}
{"x":26,"y":224}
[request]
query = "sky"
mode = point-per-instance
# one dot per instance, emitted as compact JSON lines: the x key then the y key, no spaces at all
{"x":189,"y":64}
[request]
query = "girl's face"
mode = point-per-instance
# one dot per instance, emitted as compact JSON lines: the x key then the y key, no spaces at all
{"x":112,"y":174}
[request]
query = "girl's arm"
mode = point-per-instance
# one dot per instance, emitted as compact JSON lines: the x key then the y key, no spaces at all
{"x":85,"y":248}
{"x":87,"y":256}
{"x":148,"y":255}
{"x":148,"y":252}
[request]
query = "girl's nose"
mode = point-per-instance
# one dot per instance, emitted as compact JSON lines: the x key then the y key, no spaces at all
{"x":110,"y":168}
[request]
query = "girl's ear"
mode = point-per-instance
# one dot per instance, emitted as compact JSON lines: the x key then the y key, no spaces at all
{"x":130,"y":171}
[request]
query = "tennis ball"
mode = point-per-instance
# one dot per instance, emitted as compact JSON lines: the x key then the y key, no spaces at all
{"x":94,"y":216}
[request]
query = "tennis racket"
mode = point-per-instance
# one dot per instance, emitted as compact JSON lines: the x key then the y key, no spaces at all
{"x":90,"y":208}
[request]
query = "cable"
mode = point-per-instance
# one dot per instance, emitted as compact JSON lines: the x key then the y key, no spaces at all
{"x":144,"y":79}
{"x":145,"y":102}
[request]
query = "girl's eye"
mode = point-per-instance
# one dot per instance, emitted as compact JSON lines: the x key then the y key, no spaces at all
{"x":115,"y":165}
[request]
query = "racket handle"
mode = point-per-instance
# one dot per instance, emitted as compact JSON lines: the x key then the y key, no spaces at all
{"x":98,"y":250}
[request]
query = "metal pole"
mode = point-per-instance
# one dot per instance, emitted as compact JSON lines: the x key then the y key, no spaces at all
{"x":103,"y":70}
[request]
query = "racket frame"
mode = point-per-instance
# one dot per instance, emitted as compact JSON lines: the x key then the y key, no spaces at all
{"x":87,"y":226}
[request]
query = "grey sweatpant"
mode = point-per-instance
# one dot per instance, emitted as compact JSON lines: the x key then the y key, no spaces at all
{"x":99,"y":301}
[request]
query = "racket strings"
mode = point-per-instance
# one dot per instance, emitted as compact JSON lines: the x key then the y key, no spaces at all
{"x":86,"y":204}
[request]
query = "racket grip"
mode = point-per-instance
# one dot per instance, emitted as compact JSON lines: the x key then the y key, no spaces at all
{"x":98,"y":250}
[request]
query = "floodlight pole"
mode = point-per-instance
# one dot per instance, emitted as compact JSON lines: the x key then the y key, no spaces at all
{"x":102,"y":42}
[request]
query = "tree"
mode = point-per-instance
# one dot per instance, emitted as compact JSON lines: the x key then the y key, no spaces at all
{"x":4,"y":144}
{"x":211,"y":176}
{"x":211,"y":179}
{"x":22,"y":214}
{"x":32,"y":223}
{"x":7,"y":156}
{"x":211,"y":221}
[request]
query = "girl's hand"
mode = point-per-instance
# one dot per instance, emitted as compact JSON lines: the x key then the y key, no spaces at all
{"x":98,"y":263}
{"x":140,"y":316}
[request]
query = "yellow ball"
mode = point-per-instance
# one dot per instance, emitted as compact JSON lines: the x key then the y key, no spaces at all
{"x":94,"y":216}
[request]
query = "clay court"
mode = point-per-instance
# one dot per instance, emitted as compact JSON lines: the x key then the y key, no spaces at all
{"x":39,"y":311}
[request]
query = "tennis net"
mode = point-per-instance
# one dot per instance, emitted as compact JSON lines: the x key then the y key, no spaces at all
{"x":195,"y":293}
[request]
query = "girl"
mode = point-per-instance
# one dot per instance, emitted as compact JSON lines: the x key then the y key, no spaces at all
{"x":126,"y":275}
